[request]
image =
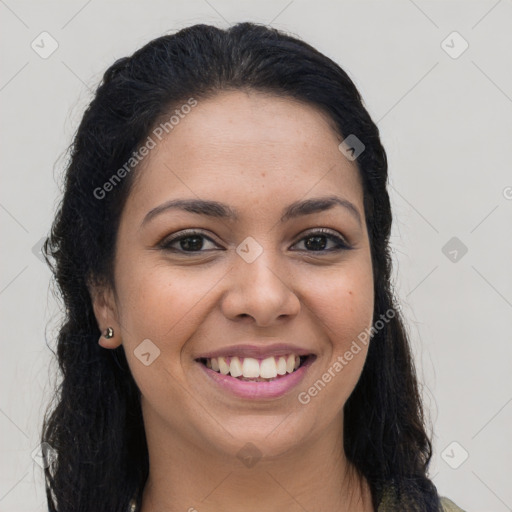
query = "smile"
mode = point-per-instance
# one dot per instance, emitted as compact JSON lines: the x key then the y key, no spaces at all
{"x":249,"y":368}
{"x":248,"y":377}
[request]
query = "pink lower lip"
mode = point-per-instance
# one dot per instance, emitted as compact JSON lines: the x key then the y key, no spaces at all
{"x":259,"y":390}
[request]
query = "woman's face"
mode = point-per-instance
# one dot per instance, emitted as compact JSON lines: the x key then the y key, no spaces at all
{"x":263,"y":285}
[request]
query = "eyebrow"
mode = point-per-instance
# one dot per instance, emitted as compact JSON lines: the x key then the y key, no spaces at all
{"x":223,"y":211}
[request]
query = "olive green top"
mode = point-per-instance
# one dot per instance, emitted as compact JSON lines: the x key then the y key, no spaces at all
{"x":387,"y":505}
{"x":449,"y":506}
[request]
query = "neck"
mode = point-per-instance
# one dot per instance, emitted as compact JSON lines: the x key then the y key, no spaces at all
{"x":313,"y":476}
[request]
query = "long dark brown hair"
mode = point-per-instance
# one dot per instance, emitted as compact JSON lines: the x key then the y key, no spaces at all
{"x":95,"y":422}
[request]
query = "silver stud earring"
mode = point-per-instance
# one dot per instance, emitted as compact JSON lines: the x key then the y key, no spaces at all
{"x":109,"y":333}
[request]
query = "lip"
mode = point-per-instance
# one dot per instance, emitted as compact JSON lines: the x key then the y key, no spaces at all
{"x":259,"y":390}
{"x":256,"y":351}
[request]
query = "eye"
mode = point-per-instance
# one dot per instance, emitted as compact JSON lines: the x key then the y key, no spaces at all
{"x":317,"y":241}
{"x":193,"y":241}
{"x":189,"y":241}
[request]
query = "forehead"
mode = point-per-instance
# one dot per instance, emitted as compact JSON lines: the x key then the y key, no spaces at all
{"x":247,"y":144}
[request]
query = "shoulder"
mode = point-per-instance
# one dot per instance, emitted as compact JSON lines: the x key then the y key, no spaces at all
{"x":390,"y":502}
{"x":449,"y":506}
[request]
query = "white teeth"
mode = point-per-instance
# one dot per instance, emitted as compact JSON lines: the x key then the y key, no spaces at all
{"x":223,"y":366}
{"x":281,"y":366}
{"x":251,"y":368}
{"x":290,"y":363}
{"x":268,"y":369}
{"x":235,"y":367}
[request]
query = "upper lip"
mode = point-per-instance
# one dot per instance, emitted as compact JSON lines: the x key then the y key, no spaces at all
{"x":256,"y":351}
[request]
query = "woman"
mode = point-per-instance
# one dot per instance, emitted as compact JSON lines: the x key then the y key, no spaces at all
{"x":231,"y":340}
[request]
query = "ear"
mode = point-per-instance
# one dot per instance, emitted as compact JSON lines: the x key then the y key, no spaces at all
{"x":105,"y":311}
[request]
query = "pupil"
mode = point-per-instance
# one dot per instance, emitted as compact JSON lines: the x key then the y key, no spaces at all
{"x":187,"y":246}
{"x":316,"y":241}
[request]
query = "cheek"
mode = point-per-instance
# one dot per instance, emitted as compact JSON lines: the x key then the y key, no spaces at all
{"x":157,"y":310}
{"x":352,"y":317}
{"x":344,"y":310}
{"x":344,"y":304}
{"x":163,"y":304}
{"x":148,"y":302}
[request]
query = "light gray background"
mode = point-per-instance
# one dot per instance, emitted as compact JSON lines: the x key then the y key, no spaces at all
{"x":446,"y":124}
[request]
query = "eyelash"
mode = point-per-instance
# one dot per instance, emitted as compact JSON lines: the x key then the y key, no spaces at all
{"x":341,"y":244}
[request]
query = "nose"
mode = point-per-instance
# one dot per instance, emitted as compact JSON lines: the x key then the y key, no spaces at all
{"x":262,"y":290}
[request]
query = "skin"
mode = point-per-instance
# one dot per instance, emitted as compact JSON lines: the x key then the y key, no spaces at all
{"x":257,"y":153}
